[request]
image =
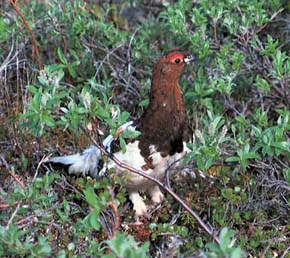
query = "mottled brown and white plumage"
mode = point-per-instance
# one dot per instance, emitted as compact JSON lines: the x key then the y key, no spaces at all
{"x":164,"y":131}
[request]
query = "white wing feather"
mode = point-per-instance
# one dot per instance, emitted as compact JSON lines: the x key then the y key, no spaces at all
{"x":87,"y":162}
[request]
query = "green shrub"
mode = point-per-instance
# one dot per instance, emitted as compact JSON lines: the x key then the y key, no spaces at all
{"x":97,"y":61}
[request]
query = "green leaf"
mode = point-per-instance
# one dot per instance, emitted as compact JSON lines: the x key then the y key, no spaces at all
{"x":61,"y":254}
{"x":48,"y":120}
{"x":237,"y":253}
{"x":213,"y":247}
{"x":71,"y":246}
{"x":233,"y":159}
{"x":282,"y":145}
{"x":225,"y":238}
{"x":123,"y":144}
{"x":72,"y":71}
{"x":93,"y":219}
{"x":129,"y":134}
{"x":263,"y":84}
{"x":32,"y":89}
{"x":215,"y":124}
{"x":251,"y":155}
{"x":43,"y":81}
{"x":241,"y":120}
{"x":286,"y":174}
{"x":117,"y":243}
{"x":42,"y":248}
{"x":61,"y":56}
{"x":125,"y":246}
{"x":123,"y":117}
{"x":91,"y":197}
{"x":144,"y":103}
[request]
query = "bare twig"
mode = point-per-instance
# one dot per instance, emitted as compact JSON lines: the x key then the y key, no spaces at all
{"x":159,"y":183}
{"x":285,"y":252}
{"x":13,"y":215}
{"x":99,"y":64}
{"x":116,"y":217}
{"x":129,"y":51}
{"x":34,"y":42}
{"x":43,"y":160}
{"x":4,"y":205}
{"x":271,"y":19}
{"x":15,"y":177}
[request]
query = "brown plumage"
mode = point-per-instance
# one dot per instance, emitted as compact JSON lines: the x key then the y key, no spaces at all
{"x":165,"y":123}
{"x":164,"y":132}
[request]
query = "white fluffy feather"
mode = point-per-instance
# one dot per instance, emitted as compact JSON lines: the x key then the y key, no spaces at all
{"x":87,"y":162}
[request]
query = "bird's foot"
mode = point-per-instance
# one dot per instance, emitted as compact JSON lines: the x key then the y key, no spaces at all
{"x":156,"y":195}
{"x":138,"y":204}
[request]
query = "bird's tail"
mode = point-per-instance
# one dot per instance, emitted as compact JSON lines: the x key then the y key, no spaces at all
{"x":87,"y":162}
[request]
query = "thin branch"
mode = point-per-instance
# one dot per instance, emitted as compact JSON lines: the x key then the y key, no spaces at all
{"x":285,"y":252}
{"x":159,"y":183}
{"x":14,"y":214}
{"x":116,"y":217}
{"x":4,"y":206}
{"x":129,"y":51}
{"x":43,"y":159}
{"x":15,"y":177}
{"x":34,"y":42}
{"x":271,"y":19}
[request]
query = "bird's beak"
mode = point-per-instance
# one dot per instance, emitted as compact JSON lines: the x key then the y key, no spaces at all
{"x":188,"y":59}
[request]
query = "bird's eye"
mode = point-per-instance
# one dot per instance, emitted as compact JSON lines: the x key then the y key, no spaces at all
{"x":177,"y":61}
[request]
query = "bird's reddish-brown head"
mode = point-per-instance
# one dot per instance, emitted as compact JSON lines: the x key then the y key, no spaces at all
{"x":171,"y":65}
